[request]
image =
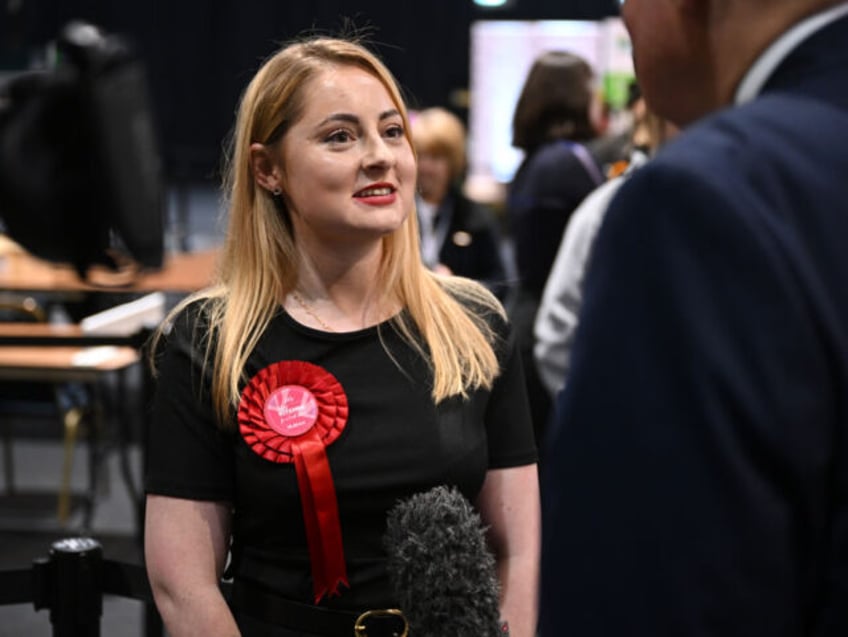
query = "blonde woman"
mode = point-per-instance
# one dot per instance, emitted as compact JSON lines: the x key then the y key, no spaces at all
{"x":328,"y":375}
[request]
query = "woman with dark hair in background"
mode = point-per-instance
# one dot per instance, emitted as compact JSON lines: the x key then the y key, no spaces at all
{"x":553,"y":120}
{"x":559,"y":312}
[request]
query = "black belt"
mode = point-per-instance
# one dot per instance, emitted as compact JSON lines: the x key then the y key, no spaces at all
{"x":274,"y":609}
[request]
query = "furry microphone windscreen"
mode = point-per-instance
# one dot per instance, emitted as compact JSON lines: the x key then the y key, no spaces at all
{"x":440,"y":566}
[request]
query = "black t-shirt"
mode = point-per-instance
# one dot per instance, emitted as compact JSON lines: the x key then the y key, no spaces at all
{"x":396,"y":443}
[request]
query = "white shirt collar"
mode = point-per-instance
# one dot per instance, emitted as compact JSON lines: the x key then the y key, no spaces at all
{"x":762,"y":69}
{"x":425,"y":209}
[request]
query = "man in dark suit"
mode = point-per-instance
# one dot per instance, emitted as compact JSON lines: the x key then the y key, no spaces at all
{"x":696,"y":476}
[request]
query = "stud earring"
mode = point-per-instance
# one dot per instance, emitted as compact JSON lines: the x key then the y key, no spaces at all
{"x":277,"y":192}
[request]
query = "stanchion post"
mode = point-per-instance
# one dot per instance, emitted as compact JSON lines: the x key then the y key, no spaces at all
{"x":70,"y":584}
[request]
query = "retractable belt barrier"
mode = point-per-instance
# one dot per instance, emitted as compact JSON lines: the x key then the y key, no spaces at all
{"x":70,"y":582}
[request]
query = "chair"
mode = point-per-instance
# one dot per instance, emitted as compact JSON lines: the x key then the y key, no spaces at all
{"x":15,"y":309}
{"x":38,"y":401}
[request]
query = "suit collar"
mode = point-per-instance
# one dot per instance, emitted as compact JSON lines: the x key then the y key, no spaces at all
{"x":766,"y":66}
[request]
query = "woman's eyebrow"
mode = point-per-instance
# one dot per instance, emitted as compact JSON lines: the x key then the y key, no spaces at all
{"x":339,"y":117}
{"x":354,"y":119}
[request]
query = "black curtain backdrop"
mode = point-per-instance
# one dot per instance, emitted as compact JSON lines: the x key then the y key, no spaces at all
{"x":200,"y":54}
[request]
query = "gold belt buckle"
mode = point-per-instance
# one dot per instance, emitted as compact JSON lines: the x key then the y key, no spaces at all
{"x":359,"y":628}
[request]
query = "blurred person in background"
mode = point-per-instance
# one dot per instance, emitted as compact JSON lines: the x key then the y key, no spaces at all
{"x":613,"y":146}
{"x":559,"y":312}
{"x":458,"y":236}
{"x":556,"y":115}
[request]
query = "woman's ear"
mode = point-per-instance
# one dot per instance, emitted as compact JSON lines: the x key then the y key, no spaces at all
{"x":265,"y":170}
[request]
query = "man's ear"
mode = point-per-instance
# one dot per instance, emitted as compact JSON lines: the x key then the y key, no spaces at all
{"x":264,"y":168}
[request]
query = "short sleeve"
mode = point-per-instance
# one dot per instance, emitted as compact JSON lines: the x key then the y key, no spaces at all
{"x":509,"y":427}
{"x":188,"y":455}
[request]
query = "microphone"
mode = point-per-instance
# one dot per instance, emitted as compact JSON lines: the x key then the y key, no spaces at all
{"x":440,"y":566}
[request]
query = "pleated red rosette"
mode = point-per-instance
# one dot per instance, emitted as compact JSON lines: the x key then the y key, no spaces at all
{"x":290,"y":412}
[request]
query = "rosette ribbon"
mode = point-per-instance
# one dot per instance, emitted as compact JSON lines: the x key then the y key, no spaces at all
{"x":290,"y":412}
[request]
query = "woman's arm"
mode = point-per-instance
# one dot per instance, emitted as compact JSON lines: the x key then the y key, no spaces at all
{"x":509,"y":505}
{"x":185,"y":545}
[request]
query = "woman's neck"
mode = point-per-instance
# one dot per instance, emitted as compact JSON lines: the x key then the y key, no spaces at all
{"x":331,"y":295}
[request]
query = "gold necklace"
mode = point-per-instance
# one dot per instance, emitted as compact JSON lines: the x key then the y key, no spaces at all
{"x":308,"y":309}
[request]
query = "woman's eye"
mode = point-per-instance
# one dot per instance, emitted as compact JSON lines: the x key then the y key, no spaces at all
{"x":338,"y":137}
{"x":395,"y":131}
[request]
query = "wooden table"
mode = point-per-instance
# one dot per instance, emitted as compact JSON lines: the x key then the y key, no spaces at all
{"x":44,"y":352}
{"x":15,"y":335}
{"x":181,"y":272}
{"x":63,"y":363}
{"x":89,"y":366}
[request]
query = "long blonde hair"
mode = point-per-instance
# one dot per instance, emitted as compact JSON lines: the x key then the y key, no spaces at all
{"x":259,"y":260}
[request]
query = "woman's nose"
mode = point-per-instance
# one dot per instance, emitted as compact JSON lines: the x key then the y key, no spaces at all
{"x":377,"y":153}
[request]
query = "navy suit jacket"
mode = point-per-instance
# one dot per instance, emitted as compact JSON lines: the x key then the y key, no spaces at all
{"x":695,"y":479}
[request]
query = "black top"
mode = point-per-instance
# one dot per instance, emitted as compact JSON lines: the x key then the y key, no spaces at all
{"x":472,"y":245}
{"x":396,"y":443}
{"x":547,"y":188}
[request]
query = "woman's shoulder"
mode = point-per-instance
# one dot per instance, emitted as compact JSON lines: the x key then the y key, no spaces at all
{"x":551,"y":167}
{"x":183,"y":336}
{"x":553,"y":154}
{"x":477,"y":300}
{"x":191,"y":318}
{"x":191,"y":311}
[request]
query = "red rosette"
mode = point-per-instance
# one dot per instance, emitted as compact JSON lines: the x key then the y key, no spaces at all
{"x":289,"y":412}
{"x":285,"y":382}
